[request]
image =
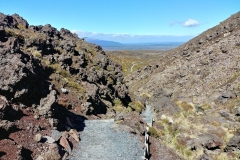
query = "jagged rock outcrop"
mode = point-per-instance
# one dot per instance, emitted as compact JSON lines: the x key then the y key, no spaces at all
{"x":36,"y":63}
{"x":22,"y":78}
{"x":62,"y":51}
{"x":12,"y":21}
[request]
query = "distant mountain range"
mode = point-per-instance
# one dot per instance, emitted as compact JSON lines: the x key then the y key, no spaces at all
{"x":112,"y":45}
{"x":103,"y":43}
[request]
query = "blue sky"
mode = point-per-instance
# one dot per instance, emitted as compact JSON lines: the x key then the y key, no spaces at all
{"x":126,"y":21}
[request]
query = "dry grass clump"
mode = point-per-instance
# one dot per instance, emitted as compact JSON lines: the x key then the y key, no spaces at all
{"x":136,"y":106}
{"x":37,"y":54}
{"x":187,"y":125}
{"x":117,"y":102}
{"x":214,"y":123}
{"x":133,"y":106}
{"x":187,"y":108}
{"x":154,"y":132}
{"x":118,"y":105}
{"x":171,"y":136}
{"x":76,"y":86}
{"x":205,"y":107}
{"x":119,"y":108}
{"x":147,"y":95}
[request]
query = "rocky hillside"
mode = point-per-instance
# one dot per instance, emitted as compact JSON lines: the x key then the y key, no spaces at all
{"x":50,"y":79}
{"x":197,"y":86}
{"x":204,"y":64}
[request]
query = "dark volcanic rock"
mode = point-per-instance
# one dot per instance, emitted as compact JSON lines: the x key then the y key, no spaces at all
{"x":68,"y":45}
{"x":32,"y":58}
{"x":207,"y":141}
{"x":233,"y":144}
{"x":22,"y":75}
{"x":51,"y":31}
{"x":67,"y":34}
{"x":12,"y":21}
{"x":19,"y":20}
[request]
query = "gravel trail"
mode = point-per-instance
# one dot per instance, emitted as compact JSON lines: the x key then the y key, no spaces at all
{"x":100,"y":142}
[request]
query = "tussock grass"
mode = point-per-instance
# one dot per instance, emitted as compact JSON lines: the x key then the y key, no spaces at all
{"x":186,"y":107}
{"x":136,"y":106}
{"x":145,"y":95}
{"x":154,"y":132}
{"x":37,"y":54}
{"x":118,"y":105}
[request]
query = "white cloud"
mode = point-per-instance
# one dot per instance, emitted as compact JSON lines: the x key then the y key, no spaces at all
{"x":190,"y":23}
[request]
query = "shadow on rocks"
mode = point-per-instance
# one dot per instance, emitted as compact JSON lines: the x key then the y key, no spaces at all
{"x":68,"y":120}
{"x":5,"y":134}
{"x":26,"y":154}
{"x":13,"y":114}
{"x":2,"y":154}
{"x":99,"y":108}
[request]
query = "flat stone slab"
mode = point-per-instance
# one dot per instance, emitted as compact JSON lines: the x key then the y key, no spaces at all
{"x":99,"y":141}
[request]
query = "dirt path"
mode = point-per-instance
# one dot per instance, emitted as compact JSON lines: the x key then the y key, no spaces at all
{"x":101,"y":142}
{"x":133,"y":64}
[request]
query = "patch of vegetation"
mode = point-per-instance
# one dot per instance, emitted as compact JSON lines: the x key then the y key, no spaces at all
{"x":147,"y":95}
{"x":60,"y":50}
{"x":136,"y":106}
{"x":118,"y":105}
{"x":186,"y":107}
{"x":63,"y":73}
{"x":154,"y":132}
{"x":205,"y":106}
{"x":119,"y":108}
{"x":127,"y":58}
{"x":214,"y":123}
{"x":37,"y":54}
{"x":21,"y":27}
{"x":117,"y":102}
{"x":109,"y":79}
{"x":76,"y":86}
